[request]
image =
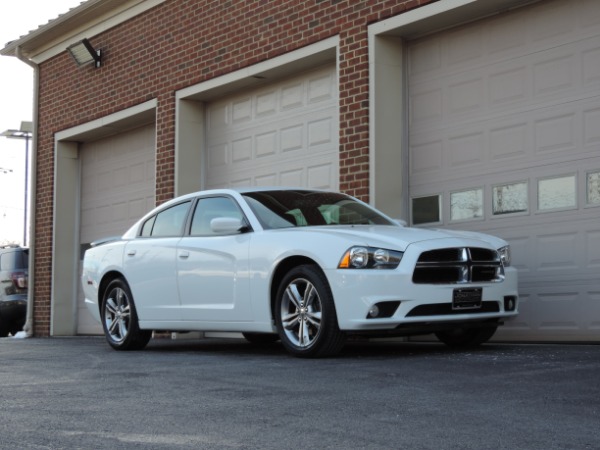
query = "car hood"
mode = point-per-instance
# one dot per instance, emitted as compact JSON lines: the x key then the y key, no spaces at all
{"x":396,"y":237}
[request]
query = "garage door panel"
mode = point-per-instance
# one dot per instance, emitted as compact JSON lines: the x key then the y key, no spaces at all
{"x":285,"y":133}
{"x":292,"y":138}
{"x":591,"y":64}
{"x":514,"y":117}
{"x":558,"y":134}
{"x":592,"y":246}
{"x":490,"y":88}
{"x":117,"y":188}
{"x":591,"y":130}
{"x":320,"y":174}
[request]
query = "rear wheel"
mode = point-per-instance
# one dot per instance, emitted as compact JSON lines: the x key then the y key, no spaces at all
{"x":16,"y":328}
{"x":4,"y":329}
{"x":119,"y":318}
{"x":305,"y":314}
{"x":466,"y":337}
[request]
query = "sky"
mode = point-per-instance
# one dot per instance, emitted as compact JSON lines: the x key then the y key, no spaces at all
{"x":16,"y":105}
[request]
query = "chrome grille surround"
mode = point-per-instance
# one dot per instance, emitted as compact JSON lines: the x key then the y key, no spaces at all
{"x":459,"y":265}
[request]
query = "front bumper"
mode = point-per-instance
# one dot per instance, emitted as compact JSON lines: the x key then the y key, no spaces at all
{"x":421,"y":306}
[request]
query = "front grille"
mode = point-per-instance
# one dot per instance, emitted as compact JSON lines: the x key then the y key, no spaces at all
{"x":443,"y":309}
{"x":459,"y":265}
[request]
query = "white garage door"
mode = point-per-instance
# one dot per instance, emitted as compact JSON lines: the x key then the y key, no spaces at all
{"x":505,"y":138}
{"x":285,"y":134}
{"x":117,"y":188}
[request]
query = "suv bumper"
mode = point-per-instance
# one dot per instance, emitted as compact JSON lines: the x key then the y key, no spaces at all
{"x":13,"y":308}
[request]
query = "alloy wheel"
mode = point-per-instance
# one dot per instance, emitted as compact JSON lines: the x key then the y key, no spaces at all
{"x":117,"y":314}
{"x":301,"y":310}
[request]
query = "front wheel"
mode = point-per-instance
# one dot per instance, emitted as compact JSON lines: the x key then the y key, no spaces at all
{"x":466,"y":337}
{"x":119,"y":318}
{"x":305,"y":314}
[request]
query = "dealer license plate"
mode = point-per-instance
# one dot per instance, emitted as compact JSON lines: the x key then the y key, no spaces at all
{"x":467,"y":298}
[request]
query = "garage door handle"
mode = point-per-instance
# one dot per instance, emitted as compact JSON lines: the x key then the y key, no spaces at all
{"x":131,"y":252}
{"x":184,"y":255}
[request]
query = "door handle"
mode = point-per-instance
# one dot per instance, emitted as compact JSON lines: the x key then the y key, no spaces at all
{"x":184,"y":254}
{"x":131,"y":252}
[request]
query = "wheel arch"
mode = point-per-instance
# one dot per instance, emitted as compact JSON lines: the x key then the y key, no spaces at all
{"x":108,"y":278}
{"x":282,"y":269}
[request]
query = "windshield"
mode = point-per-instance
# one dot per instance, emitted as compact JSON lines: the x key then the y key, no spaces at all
{"x":286,"y":209}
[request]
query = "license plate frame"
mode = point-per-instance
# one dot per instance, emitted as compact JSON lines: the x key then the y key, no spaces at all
{"x":467,"y":298}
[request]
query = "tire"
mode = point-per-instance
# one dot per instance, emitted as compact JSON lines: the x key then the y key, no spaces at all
{"x":4,"y":329}
{"x":261,"y":338}
{"x":16,"y":328}
{"x":305,"y":314}
{"x":466,"y":337}
{"x":119,"y":318}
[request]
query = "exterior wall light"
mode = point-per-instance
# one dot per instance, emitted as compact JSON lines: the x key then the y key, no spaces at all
{"x":83,"y":53}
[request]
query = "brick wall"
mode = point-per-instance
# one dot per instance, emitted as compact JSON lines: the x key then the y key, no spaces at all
{"x":182,"y":43}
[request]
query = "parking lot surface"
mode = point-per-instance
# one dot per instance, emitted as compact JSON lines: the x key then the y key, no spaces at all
{"x":67,"y":393}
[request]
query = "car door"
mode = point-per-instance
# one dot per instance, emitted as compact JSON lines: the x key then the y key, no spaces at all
{"x":150,"y":265}
{"x":212,"y":265}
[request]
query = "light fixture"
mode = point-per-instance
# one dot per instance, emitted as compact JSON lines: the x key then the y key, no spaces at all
{"x":83,"y":53}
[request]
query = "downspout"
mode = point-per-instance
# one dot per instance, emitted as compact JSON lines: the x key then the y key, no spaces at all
{"x":28,"y":328}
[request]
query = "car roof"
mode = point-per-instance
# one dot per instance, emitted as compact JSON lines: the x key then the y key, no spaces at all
{"x":225,"y":191}
{"x":11,"y":247}
{"x":244,"y":190}
{"x":239,"y":190}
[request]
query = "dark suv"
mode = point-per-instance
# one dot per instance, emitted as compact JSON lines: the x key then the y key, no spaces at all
{"x":14,"y":263}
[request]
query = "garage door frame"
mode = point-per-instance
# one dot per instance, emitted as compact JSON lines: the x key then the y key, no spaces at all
{"x":388,"y":104}
{"x":66,"y":247}
{"x":190,"y":131}
{"x":388,"y":44}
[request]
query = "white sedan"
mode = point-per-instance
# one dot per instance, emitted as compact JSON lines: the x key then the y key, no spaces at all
{"x":306,"y":267}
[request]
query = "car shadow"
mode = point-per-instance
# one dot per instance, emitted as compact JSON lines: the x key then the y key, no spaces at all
{"x":353,"y":349}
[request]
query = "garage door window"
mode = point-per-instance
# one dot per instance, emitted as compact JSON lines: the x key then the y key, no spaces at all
{"x":510,"y":198}
{"x":557,"y":193}
{"x":593,"y":188}
{"x":426,"y":209}
{"x":466,"y":205}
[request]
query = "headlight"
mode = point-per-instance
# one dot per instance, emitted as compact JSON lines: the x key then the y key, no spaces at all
{"x":505,"y":255}
{"x":370,"y":258}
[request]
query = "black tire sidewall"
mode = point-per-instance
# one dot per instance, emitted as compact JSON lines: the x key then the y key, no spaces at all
{"x":4,"y":329}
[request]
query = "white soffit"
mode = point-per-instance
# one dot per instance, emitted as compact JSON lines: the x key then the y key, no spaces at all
{"x":87,"y":20}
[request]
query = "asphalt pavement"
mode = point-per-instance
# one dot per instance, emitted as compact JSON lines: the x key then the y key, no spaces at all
{"x":78,"y":393}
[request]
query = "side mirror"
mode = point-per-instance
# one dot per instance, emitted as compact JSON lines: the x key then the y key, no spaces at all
{"x":226,"y":225}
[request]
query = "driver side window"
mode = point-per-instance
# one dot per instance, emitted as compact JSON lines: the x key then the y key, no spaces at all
{"x":210,"y":208}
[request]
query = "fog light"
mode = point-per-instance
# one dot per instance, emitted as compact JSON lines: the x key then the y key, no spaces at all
{"x":383,"y":310}
{"x":373,"y":312}
{"x":510,"y":303}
